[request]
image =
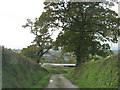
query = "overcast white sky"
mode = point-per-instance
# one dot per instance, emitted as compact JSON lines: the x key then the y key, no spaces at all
{"x":13,"y":14}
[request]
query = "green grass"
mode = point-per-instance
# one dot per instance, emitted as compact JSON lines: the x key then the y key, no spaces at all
{"x":96,"y":74}
{"x":19,"y":72}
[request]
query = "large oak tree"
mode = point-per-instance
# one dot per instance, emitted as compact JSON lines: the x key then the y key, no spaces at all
{"x":84,"y":27}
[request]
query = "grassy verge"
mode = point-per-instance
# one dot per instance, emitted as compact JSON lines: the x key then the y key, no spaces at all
{"x":97,"y":74}
{"x":19,"y":72}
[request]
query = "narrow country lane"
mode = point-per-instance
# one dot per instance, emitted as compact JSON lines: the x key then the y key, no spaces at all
{"x":58,"y":81}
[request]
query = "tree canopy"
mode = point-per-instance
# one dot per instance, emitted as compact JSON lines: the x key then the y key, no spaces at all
{"x":84,"y":27}
{"x":42,"y":42}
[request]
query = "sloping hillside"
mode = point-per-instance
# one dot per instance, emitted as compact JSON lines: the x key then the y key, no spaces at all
{"x":19,"y":72}
{"x":96,"y":74}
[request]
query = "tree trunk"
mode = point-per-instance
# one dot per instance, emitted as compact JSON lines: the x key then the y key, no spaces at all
{"x":39,"y":55}
{"x":78,"y":59}
{"x":38,"y":61}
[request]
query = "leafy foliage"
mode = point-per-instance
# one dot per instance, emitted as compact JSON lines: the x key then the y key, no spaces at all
{"x":83,"y":26}
{"x":42,"y":41}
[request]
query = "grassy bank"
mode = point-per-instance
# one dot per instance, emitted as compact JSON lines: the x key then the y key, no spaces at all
{"x":19,"y":72}
{"x":96,"y":74}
